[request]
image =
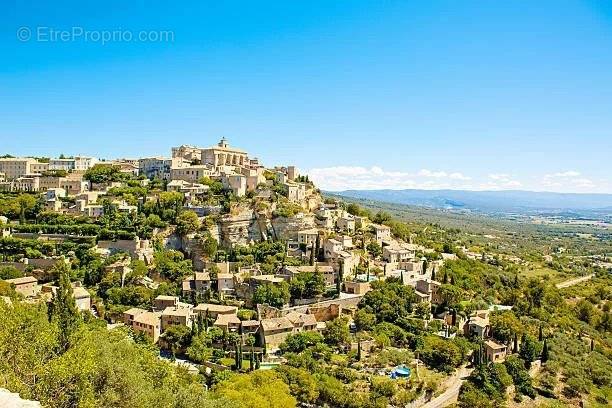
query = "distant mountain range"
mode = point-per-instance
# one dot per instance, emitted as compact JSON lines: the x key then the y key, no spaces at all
{"x":488,"y":201}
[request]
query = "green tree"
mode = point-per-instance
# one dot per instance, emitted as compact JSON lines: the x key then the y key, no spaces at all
{"x":337,"y":332}
{"x":374,"y":249}
{"x":298,"y":342}
{"x":450,"y":294}
{"x":530,"y":349}
{"x":187,"y":222}
{"x":545,"y":355}
{"x":520,"y":376}
{"x":210,"y":246}
{"x":276,"y":295}
{"x":585,"y":311}
{"x":364,"y":320}
{"x":260,"y":389}
{"x":26,"y":203}
{"x":504,"y":325}
{"x":177,"y":338}
{"x":422,"y":310}
{"x":63,"y":310}
{"x":302,"y":384}
{"x":10,"y":272}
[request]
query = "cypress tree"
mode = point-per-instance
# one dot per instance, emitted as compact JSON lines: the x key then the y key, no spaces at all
{"x":236,"y":357}
{"x":515,"y":348}
{"x":592,"y":344}
{"x":318,"y":247}
{"x":63,"y":310}
{"x":425,"y":266}
{"x":540,"y":334}
{"x":445,"y":279}
{"x":200,"y":323}
{"x":359,"y":350}
{"x":452,"y":279}
{"x":340,"y":278}
{"x":312,"y":254}
{"x":516,"y":281}
{"x":433,"y":273}
{"x":285,"y":254}
{"x":545,"y":352}
{"x":240,"y":354}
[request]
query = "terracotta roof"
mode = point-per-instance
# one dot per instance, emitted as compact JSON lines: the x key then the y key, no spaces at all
{"x":308,"y":268}
{"x":171,"y":311}
{"x":276,"y":323}
{"x":80,"y":292}
{"x":268,"y":278}
{"x":149,"y":318}
{"x":202,"y":276}
{"x":215,"y":308}
{"x":226,"y":319}
{"x":134,"y":311}
{"x":301,"y":319}
{"x":166,"y":297}
{"x":494,"y":345}
{"x":479,"y":321}
{"x":22,"y":280}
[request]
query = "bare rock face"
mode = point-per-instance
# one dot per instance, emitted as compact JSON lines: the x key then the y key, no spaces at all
{"x":246,"y":224}
{"x":287,"y":228}
{"x":240,"y":228}
{"x":13,"y":400}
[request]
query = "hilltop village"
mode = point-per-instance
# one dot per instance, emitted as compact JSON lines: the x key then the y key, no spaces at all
{"x":223,"y":264}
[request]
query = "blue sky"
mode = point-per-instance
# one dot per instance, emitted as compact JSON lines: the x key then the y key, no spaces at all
{"x":361,"y":94}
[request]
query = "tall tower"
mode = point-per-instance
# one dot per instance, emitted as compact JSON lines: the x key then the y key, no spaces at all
{"x":223,"y":142}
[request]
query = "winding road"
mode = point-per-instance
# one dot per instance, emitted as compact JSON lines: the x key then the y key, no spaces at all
{"x":575,"y":281}
{"x":453,"y":385}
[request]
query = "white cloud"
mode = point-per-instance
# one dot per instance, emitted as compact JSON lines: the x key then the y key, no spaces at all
{"x":339,"y":178}
{"x":362,"y":178}
{"x":429,"y":173}
{"x":501,"y":181}
{"x":459,"y":176}
{"x":569,"y":180}
{"x":564,"y":174}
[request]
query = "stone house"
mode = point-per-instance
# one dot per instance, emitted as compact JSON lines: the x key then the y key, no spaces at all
{"x":130,"y":314}
{"x":176,"y":316}
{"x":357,"y":288}
{"x":161,"y":302}
{"x":478,"y":324}
{"x":495,"y":352}
{"x":26,"y":285}
{"x":430,"y":288}
{"x":330,"y":276}
{"x":199,"y":283}
{"x":227,"y":322}
{"x":307,"y":237}
{"x":148,"y":323}
{"x":274,"y":331}
{"x":346,"y":223}
{"x":381,"y":232}
{"x":215,"y":310}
